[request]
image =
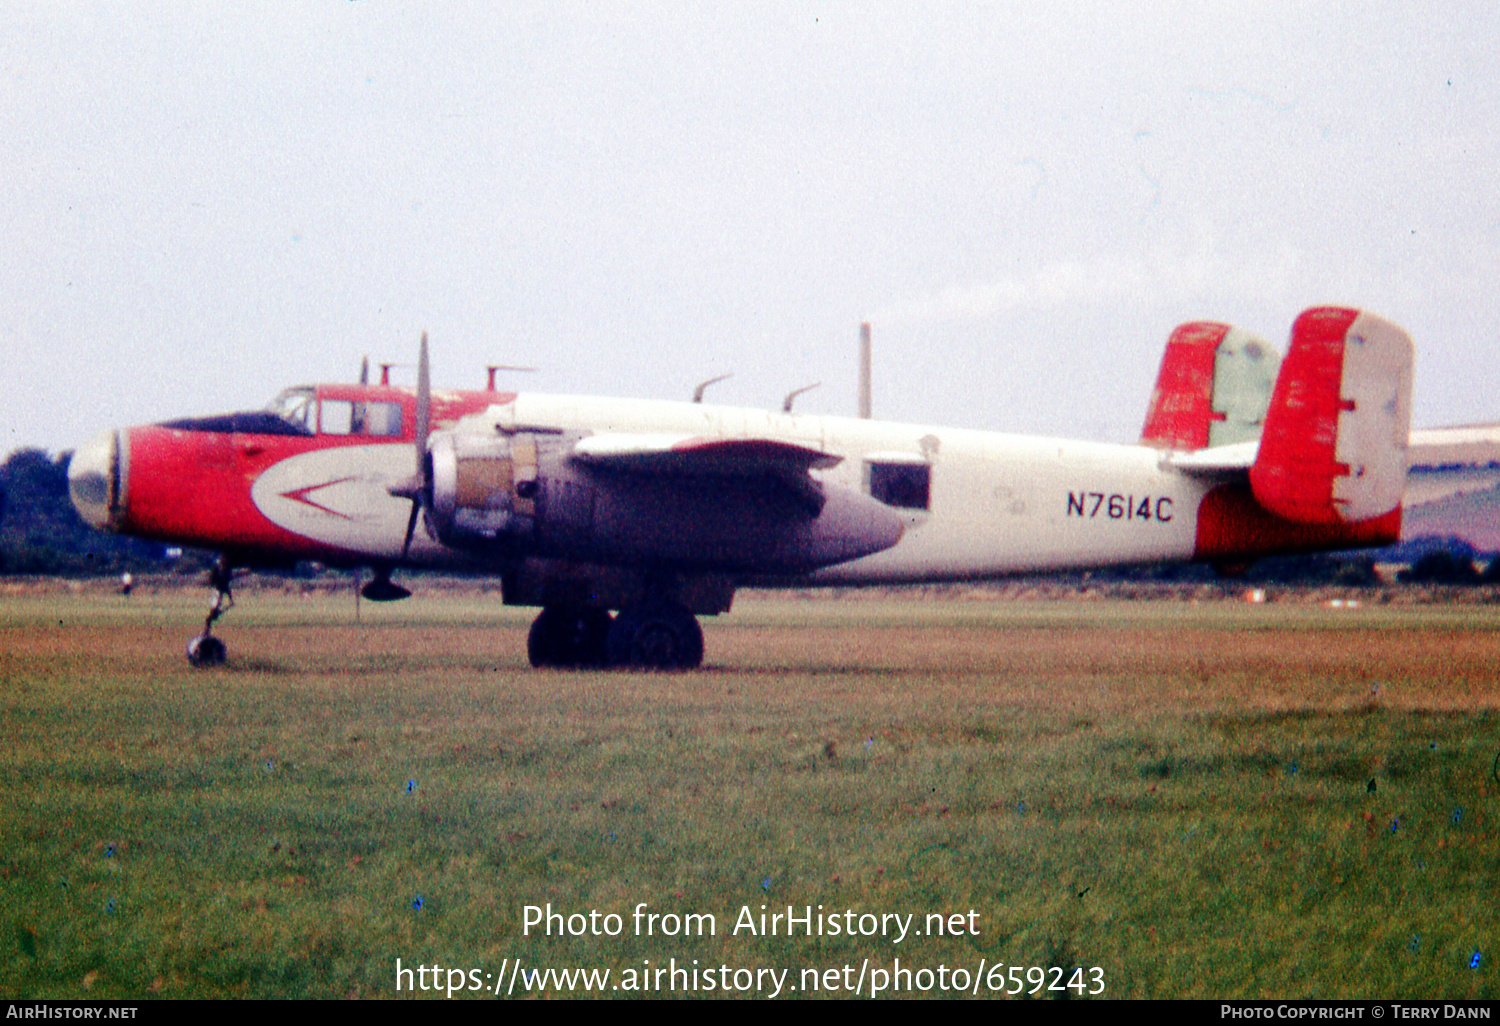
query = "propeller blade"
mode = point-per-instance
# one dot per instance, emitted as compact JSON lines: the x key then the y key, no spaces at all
{"x":419,"y":487}
{"x":411,"y":523}
{"x":364,"y":370}
{"x":424,"y":404}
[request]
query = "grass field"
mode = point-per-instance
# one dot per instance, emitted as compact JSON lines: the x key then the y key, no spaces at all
{"x":1207,"y":800}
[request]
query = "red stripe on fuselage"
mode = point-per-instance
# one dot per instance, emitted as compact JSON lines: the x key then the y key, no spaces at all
{"x":301,"y":495}
{"x":193,"y":488}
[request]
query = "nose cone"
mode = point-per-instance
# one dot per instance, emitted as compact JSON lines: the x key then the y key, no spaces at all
{"x":96,"y":483}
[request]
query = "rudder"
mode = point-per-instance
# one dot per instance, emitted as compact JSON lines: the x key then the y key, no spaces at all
{"x":1334,"y":445}
{"x":1212,"y":389}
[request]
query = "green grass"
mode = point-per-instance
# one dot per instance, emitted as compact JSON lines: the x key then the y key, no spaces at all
{"x":1177,"y":794}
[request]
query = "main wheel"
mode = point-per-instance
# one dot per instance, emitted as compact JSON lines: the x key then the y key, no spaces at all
{"x":207,"y":650}
{"x":663,"y":636}
{"x":568,"y":636}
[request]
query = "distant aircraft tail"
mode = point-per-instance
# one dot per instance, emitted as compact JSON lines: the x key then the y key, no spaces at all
{"x":1333,"y":450}
{"x":1213,"y":388}
{"x":1453,"y":486}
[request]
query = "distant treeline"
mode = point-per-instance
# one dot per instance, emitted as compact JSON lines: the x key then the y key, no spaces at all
{"x":41,"y":533}
{"x":1424,"y":561}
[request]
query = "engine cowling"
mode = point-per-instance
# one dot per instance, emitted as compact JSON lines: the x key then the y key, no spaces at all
{"x":474,"y":501}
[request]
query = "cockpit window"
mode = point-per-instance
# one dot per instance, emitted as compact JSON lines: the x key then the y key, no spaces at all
{"x":295,"y":406}
{"x":337,"y":418}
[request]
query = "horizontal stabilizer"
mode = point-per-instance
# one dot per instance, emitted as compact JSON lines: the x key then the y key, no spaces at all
{"x":1213,"y":387}
{"x":1334,"y":445}
{"x":1219,"y":461}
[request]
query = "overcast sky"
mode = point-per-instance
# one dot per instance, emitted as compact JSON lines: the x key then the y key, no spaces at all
{"x":201,"y":204}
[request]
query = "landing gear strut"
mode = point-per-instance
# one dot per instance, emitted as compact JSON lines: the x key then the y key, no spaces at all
{"x":205,"y":649}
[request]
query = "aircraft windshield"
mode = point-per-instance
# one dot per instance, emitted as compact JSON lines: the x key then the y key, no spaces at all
{"x":297,"y":407}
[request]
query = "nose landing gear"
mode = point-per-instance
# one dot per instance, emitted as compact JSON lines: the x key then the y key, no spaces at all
{"x":205,"y":650}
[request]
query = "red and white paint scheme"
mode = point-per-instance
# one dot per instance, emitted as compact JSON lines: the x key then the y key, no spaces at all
{"x":624,"y":519}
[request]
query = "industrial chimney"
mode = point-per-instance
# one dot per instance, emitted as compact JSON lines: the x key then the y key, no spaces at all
{"x":864,"y":371}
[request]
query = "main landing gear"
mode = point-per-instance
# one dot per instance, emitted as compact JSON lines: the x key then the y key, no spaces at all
{"x":205,"y":649}
{"x":654,"y":636}
{"x":569,"y":636}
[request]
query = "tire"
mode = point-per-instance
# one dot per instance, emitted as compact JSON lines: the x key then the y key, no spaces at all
{"x":541,"y":647}
{"x":206,"y":651}
{"x":656,"y":637}
{"x":568,"y":636}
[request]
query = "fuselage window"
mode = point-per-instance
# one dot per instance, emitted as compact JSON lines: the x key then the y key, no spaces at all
{"x":343,"y":417}
{"x":337,"y":417}
{"x":903,"y":485}
{"x":380,"y":419}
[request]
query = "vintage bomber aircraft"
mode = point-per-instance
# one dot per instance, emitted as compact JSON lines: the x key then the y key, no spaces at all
{"x":625,"y":519}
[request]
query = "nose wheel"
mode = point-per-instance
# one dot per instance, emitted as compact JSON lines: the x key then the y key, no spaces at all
{"x":206,"y":650}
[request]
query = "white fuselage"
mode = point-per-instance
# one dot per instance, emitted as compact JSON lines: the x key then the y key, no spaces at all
{"x":998,"y":503}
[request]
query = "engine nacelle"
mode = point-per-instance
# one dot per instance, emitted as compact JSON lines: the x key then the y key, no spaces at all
{"x":525,"y":495}
{"x":483,"y":490}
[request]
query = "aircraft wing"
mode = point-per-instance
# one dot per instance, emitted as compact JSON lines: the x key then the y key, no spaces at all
{"x":1452,"y":461}
{"x":677,"y":456}
{"x":1441,"y":461}
{"x":693,"y":454}
{"x":1452,"y":483}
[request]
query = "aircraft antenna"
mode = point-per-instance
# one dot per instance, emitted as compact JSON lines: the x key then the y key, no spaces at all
{"x":698,"y":392}
{"x":493,"y":367}
{"x":786,"y":404}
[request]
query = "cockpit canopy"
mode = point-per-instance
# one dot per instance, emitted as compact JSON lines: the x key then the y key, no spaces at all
{"x":330,"y":414}
{"x":298,"y":407}
{"x":305,"y":411}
